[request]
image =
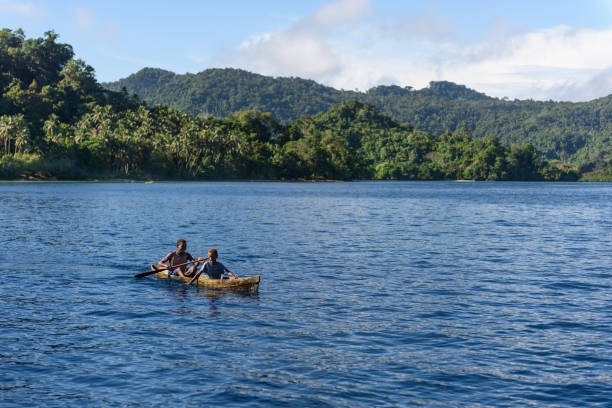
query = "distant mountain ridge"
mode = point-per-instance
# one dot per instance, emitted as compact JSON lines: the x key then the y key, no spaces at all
{"x":221,"y":92}
{"x":574,"y":132}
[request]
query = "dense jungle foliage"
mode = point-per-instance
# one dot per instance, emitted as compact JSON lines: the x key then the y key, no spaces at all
{"x":577,"y":133}
{"x":57,"y":121}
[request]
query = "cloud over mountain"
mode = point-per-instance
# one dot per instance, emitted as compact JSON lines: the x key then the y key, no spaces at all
{"x":345,"y":45}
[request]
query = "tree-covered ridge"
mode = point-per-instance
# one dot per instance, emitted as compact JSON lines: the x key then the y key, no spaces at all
{"x":56,"y":121}
{"x":574,"y":132}
{"x":222,"y":92}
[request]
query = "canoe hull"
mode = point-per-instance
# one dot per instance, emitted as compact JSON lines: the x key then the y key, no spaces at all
{"x":251,"y":283}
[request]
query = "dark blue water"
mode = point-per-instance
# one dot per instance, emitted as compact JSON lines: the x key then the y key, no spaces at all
{"x":434,"y":294}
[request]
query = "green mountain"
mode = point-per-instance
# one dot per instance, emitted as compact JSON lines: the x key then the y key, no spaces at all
{"x":222,"y":92}
{"x":565,"y":131}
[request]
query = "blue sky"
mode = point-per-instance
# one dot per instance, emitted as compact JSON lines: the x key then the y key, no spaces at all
{"x":536,"y":49}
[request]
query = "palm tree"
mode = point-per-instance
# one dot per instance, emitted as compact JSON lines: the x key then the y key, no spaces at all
{"x":5,"y":131}
{"x":14,"y":128}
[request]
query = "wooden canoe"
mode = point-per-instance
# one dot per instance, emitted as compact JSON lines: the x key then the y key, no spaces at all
{"x":251,"y":283}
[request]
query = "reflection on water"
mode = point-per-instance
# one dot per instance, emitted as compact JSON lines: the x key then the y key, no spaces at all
{"x":184,"y":296}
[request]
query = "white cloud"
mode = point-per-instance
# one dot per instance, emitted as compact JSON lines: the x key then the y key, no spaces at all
{"x":304,"y":49}
{"x":579,"y":87}
{"x":343,"y":45}
{"x":290,"y":53}
{"x":541,"y":65}
{"x":560,"y":63}
{"x":21,"y":8}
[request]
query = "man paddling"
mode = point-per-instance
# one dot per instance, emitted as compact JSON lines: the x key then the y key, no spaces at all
{"x":180,"y":256}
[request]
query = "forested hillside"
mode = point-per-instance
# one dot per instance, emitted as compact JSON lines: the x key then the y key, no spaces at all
{"x":57,"y":121}
{"x":222,"y":92}
{"x":571,"y":132}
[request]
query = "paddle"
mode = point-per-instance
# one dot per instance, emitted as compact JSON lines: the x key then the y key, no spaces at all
{"x":142,"y":275}
{"x":196,"y":276}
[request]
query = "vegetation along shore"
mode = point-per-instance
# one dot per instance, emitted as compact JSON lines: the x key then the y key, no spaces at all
{"x":58,"y":122}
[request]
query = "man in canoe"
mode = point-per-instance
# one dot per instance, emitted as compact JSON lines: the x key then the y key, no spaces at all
{"x":213,"y":268}
{"x":180,"y":256}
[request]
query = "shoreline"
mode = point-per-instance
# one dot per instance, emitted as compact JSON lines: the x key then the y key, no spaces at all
{"x":153,"y":181}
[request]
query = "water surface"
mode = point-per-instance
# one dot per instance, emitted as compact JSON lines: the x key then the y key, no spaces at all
{"x":430,"y":294}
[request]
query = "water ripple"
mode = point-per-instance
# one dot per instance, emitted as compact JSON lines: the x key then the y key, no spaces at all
{"x":372,"y":294}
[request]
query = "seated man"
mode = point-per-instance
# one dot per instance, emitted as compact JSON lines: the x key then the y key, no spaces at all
{"x":179,"y":257}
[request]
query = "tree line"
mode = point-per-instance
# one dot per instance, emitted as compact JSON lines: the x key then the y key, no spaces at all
{"x":576,"y":133}
{"x":57,"y":121}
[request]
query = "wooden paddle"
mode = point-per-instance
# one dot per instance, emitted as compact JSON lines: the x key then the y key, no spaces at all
{"x":195,"y":277}
{"x":142,"y":275}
